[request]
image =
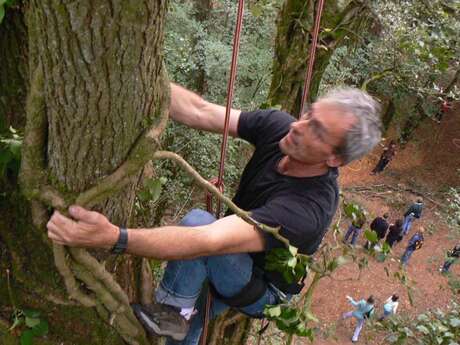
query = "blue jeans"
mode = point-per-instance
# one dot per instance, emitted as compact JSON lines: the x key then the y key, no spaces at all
{"x":355,"y":232}
{"x":183,"y":280}
{"x":407,"y":224}
{"x":406,"y":256}
{"x":447,"y":264}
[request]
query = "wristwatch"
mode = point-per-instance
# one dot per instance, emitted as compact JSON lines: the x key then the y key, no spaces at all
{"x":122,"y":243}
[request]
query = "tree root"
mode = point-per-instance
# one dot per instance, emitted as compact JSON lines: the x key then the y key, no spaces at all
{"x":69,"y":279}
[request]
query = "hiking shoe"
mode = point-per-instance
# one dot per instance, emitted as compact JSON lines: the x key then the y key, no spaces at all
{"x":162,"y":320}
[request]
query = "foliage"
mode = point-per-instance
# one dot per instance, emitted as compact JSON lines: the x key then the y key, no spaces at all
{"x":430,"y":328}
{"x":355,"y":212}
{"x":453,"y":199}
{"x":410,"y":61}
{"x":198,"y":52}
{"x":290,"y":319}
{"x":32,"y":324}
{"x":286,"y":261}
{"x":3,"y":5}
{"x":29,"y":321}
{"x":10,"y":153}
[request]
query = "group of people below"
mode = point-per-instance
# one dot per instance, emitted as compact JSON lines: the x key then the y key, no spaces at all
{"x":365,"y":308}
{"x":391,"y":233}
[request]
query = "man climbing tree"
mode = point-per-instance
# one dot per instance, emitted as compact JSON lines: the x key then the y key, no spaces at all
{"x":290,"y":182}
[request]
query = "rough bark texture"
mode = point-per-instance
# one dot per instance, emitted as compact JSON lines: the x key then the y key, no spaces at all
{"x":295,"y":26}
{"x":13,"y":69}
{"x":101,"y":67}
{"x":97,"y":86}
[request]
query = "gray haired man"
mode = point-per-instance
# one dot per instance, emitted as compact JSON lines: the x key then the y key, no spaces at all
{"x":290,"y":181}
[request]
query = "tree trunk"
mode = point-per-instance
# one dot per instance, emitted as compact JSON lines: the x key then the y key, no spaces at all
{"x":97,"y":86}
{"x":13,"y":69}
{"x":295,"y":26}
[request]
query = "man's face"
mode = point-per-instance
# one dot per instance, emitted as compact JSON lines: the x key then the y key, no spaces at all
{"x":317,"y":134}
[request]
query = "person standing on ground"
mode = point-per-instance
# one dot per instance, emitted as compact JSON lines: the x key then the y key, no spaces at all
{"x":354,"y":230}
{"x":412,"y":213}
{"x":364,"y":309}
{"x":394,"y":233}
{"x":380,"y":226}
{"x":387,"y":155}
{"x":452,"y":257}
{"x":415,"y":243}
{"x":390,"y":307}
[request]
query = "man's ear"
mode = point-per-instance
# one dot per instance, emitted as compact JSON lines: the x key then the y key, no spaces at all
{"x":334,"y":161}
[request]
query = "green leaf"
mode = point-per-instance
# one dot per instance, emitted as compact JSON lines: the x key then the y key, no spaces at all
{"x":292,"y":262}
{"x":422,"y":329}
{"x":27,"y":337}
{"x":31,"y":313}
{"x":371,"y":236}
{"x":41,"y":329}
{"x":32,"y":322}
{"x":293,"y":250}
{"x":273,"y":311}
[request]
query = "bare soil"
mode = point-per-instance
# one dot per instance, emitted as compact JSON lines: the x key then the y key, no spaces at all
{"x":426,"y":166}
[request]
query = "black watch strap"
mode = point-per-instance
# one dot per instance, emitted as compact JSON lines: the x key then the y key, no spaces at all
{"x":122,"y":243}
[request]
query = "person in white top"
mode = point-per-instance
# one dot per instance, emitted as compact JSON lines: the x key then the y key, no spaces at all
{"x":390,"y":306}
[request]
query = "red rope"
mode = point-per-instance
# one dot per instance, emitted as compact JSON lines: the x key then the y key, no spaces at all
{"x":223,"y":151}
{"x":311,"y":62}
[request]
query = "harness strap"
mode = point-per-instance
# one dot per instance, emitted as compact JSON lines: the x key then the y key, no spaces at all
{"x":249,"y":294}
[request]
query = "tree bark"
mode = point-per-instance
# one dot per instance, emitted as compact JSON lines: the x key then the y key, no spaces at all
{"x":295,"y":25}
{"x":97,"y":86}
{"x":13,"y":69}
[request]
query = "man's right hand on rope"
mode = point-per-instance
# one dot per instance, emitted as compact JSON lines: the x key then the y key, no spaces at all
{"x":87,"y":229}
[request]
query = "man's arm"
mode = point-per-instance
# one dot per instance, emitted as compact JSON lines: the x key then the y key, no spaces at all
{"x":192,"y":110}
{"x":93,"y":230}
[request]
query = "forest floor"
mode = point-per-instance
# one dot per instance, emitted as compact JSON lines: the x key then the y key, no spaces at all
{"x":425,"y":167}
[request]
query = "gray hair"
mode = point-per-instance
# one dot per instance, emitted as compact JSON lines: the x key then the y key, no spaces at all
{"x":366,"y":132}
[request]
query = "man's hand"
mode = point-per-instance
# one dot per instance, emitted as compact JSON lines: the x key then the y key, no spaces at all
{"x":89,"y":229}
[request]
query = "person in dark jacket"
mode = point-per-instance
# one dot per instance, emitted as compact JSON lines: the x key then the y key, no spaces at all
{"x":394,"y":233}
{"x":412,"y":213}
{"x":415,"y":243}
{"x":452,"y":257}
{"x":387,"y":155}
{"x":380,"y":226}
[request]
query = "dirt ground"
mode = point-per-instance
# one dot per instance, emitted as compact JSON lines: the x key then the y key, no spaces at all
{"x":427,"y":165}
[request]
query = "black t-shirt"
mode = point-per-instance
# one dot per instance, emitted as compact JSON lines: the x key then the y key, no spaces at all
{"x":380,"y":226}
{"x":302,"y":206}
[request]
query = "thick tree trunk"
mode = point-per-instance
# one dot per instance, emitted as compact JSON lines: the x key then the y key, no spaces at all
{"x":295,"y":26}
{"x":13,"y":69}
{"x":97,"y":87}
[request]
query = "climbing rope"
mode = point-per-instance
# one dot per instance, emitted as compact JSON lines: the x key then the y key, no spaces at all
{"x":219,"y":182}
{"x":223,"y":151}
{"x":311,"y":62}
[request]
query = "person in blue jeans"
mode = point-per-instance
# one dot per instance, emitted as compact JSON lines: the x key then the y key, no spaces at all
{"x":412,"y":213}
{"x":416,"y":242}
{"x":290,"y":182}
{"x":364,"y":309}
{"x":228,"y":273}
{"x":354,"y":230}
{"x":451,"y":257}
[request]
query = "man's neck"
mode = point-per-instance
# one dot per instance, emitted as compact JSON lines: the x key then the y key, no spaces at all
{"x":291,"y":167}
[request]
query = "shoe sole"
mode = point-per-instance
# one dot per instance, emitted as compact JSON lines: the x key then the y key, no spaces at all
{"x":151,"y":326}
